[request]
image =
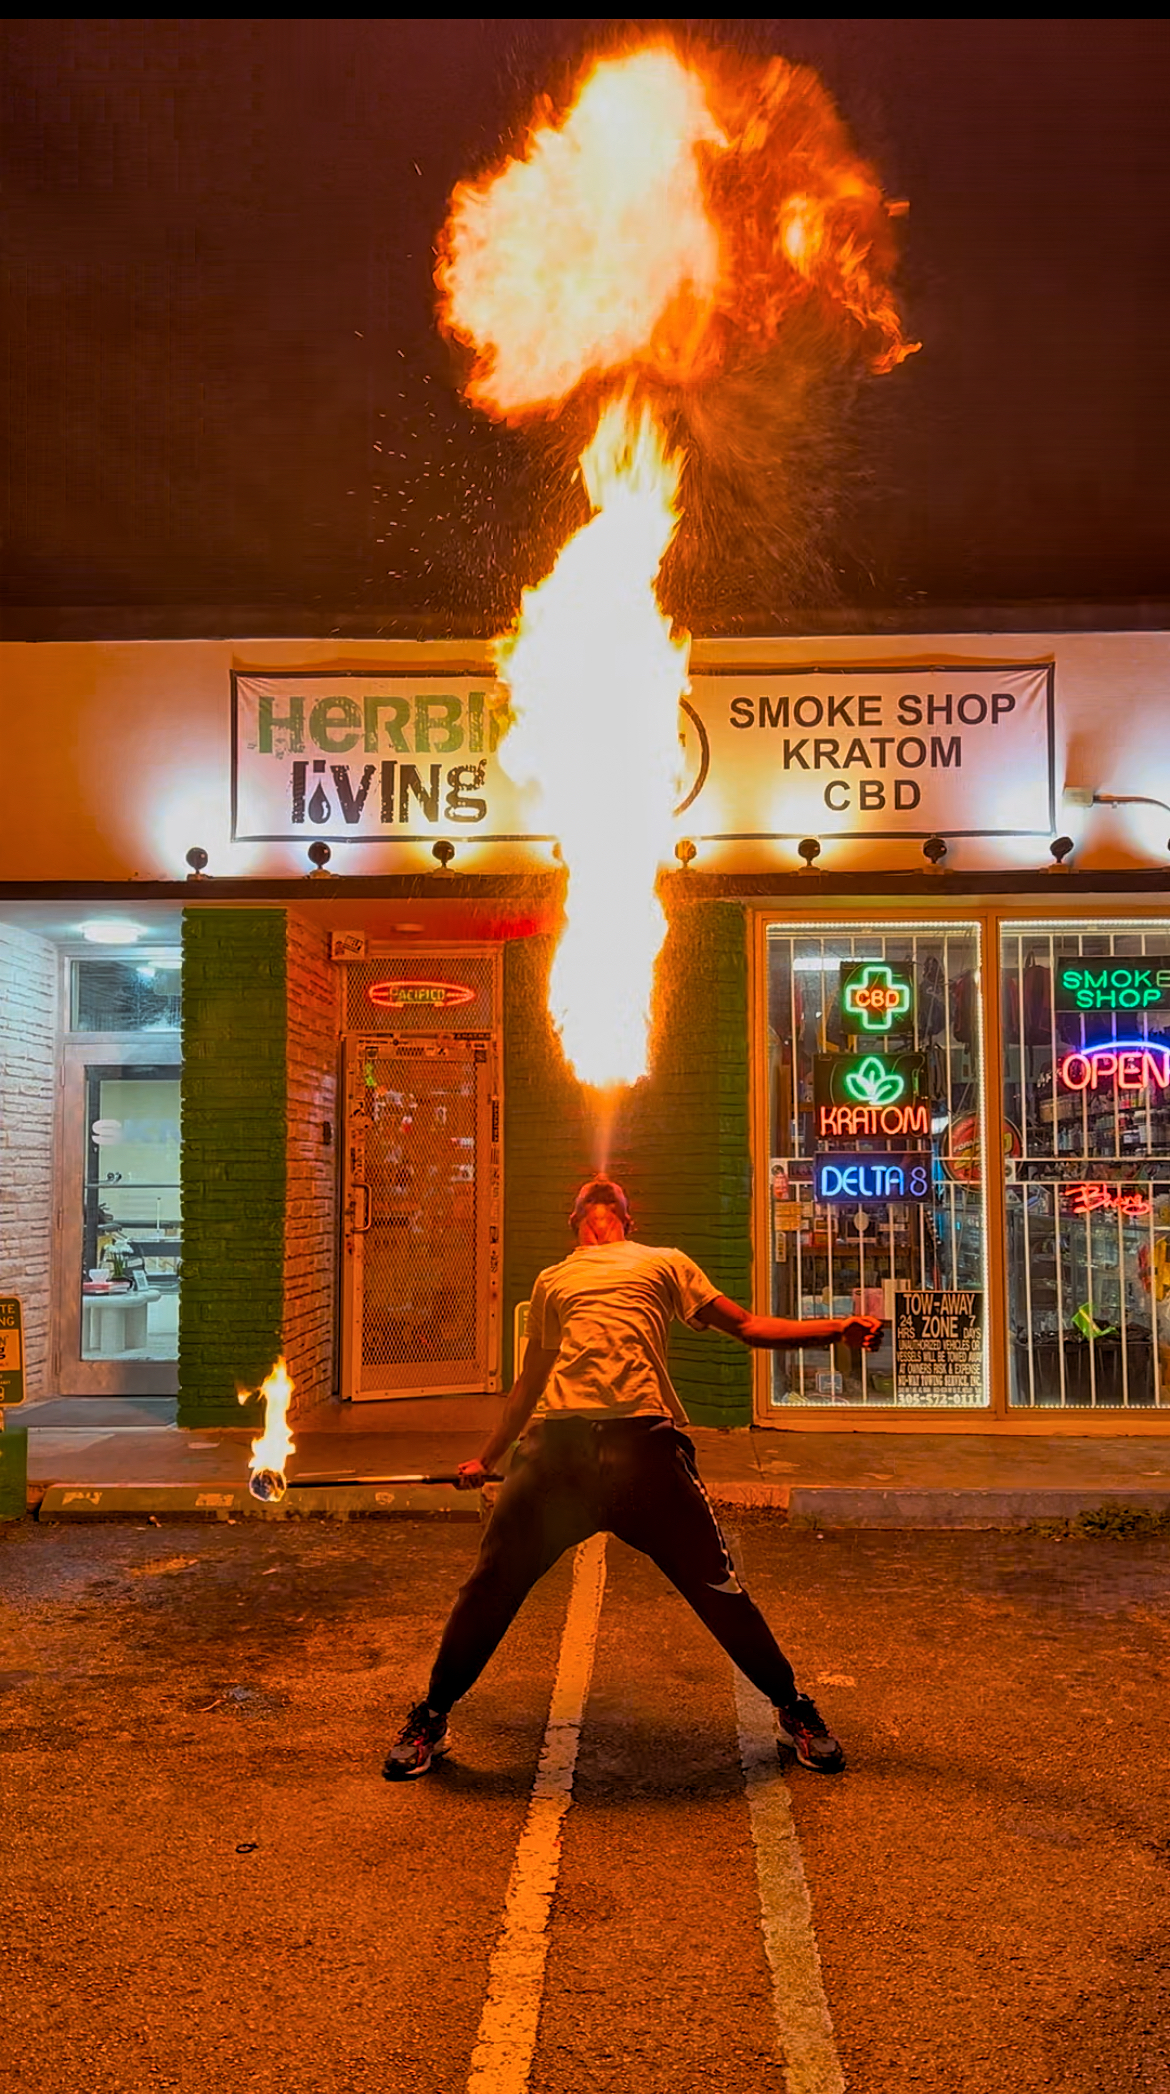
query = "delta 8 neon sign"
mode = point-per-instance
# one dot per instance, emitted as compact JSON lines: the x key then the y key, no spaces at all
{"x":883,"y":1178}
{"x":875,"y":997}
{"x":1129,"y":1065}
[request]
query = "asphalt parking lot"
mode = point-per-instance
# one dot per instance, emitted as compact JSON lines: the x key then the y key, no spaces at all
{"x":206,"y":1880}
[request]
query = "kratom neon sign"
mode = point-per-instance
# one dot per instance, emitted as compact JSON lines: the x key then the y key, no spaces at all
{"x":1127,"y":1065}
{"x":875,"y":997}
{"x":870,"y":1094}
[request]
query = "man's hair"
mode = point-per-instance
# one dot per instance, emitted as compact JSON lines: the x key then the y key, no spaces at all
{"x":600,"y":1192}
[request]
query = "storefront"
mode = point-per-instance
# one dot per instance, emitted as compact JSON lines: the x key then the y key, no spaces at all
{"x":968,"y":1125}
{"x":276,"y":1070}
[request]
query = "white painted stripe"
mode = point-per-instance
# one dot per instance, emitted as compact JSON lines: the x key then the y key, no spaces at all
{"x":502,"y":2058}
{"x":806,"y":2050}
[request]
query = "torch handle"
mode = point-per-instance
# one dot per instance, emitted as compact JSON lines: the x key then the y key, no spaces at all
{"x":294,"y":1483}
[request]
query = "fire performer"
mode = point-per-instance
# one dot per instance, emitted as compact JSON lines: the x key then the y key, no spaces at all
{"x":606,"y":1450}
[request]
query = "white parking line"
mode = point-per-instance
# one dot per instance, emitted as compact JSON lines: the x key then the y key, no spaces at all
{"x":807,"y":2050}
{"x":502,"y":2058}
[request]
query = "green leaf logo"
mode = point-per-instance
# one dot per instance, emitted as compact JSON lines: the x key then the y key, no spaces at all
{"x":871,"y":1084}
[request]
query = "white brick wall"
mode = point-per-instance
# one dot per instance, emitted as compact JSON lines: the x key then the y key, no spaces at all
{"x":310,"y":1239}
{"x":28,"y":1053}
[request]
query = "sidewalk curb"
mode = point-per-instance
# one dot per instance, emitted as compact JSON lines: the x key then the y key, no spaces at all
{"x":833,"y":1505}
{"x":802,"y":1505}
{"x":185,"y":1501}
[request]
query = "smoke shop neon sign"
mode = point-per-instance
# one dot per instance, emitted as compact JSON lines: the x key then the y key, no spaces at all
{"x":1123,"y":1065}
{"x":1114,"y":985}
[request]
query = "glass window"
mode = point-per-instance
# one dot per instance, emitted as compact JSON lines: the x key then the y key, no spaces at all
{"x":132,"y":1231}
{"x":876,"y":1159}
{"x":1086,"y":1022}
{"x":127,"y":995}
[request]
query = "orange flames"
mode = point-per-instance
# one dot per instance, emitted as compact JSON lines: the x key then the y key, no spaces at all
{"x":271,"y":1451}
{"x":595,"y":677}
{"x":670,"y":221}
{"x":563,"y":264}
{"x":662,"y":233}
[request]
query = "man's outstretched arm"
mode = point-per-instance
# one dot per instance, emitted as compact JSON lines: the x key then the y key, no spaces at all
{"x":526,"y":1392}
{"x":770,"y":1333}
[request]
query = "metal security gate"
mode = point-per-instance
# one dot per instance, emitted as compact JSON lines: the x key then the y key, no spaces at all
{"x":1086,"y":1009}
{"x":421,"y":1248}
{"x":876,"y":1159}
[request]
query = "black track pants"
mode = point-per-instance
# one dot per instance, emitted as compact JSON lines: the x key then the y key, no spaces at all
{"x":636,"y":1478}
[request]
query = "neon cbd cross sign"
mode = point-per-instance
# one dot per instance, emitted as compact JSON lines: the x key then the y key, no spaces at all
{"x":875,"y":997}
{"x":1129,"y":1065}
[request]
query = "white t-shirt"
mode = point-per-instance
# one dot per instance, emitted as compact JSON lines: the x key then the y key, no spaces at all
{"x":606,"y":1311}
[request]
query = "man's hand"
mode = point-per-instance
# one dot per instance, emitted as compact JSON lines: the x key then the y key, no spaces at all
{"x":472,"y":1476}
{"x":863,"y":1333}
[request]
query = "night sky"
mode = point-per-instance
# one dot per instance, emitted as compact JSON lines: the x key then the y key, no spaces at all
{"x":227,"y":405}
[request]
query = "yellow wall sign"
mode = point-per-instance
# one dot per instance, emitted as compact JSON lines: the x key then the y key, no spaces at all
{"x":11,"y":1351}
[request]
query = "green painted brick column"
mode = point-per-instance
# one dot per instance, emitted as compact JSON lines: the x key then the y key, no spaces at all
{"x":680,"y":1144}
{"x":234,"y":1123}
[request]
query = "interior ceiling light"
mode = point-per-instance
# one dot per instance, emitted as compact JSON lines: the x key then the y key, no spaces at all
{"x":113,"y":930}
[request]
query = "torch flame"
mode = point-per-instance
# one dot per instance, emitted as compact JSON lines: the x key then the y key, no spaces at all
{"x":547,"y":269}
{"x":271,"y":1451}
{"x":672,"y":221}
{"x":665,"y":230}
{"x":595,"y":675}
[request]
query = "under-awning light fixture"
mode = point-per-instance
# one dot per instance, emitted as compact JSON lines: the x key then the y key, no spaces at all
{"x":112,"y":930}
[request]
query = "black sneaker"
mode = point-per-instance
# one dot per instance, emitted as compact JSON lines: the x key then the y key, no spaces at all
{"x":423,"y":1738}
{"x":803,"y":1729}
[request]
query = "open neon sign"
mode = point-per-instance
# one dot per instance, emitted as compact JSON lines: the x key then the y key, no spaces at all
{"x":1129,"y":1065}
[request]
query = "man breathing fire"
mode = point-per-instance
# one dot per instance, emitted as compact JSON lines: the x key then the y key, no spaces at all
{"x":604,"y":1449}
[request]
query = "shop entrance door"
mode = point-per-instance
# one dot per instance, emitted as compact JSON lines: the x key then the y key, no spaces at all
{"x":421,"y":1247}
{"x":119,"y":1221}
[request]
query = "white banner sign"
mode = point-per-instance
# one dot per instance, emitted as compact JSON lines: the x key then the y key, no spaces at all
{"x":824,"y":752}
{"x":876,"y":752}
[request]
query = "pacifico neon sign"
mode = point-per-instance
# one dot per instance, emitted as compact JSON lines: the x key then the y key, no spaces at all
{"x":1129,"y":1065}
{"x":412,"y":993}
